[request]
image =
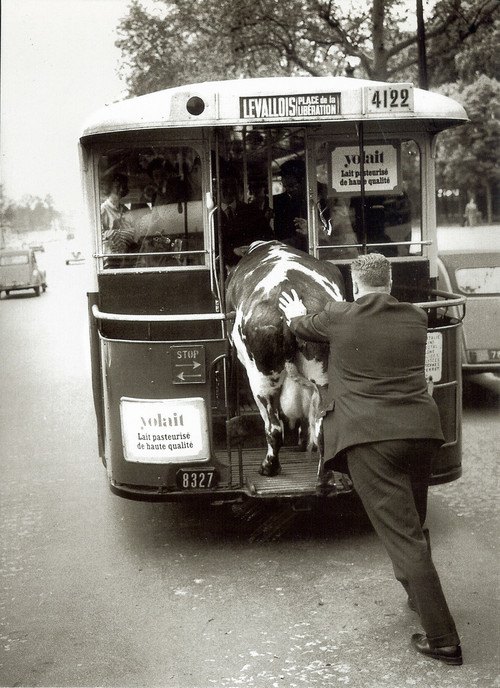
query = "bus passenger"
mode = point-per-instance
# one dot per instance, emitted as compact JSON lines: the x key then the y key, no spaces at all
{"x":375,"y":214}
{"x":118,"y":234}
{"x":335,"y":226}
{"x":258,"y":197}
{"x":164,"y":183}
{"x":290,"y":214}
{"x":165,"y":196}
{"x":377,"y":233}
{"x":290,"y":207}
{"x":193,"y":181}
{"x":241,"y":223}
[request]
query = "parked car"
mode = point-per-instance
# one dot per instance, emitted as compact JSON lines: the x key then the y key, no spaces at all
{"x":476,"y":274}
{"x":19,"y":270}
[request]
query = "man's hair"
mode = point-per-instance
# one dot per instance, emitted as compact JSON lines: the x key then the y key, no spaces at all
{"x":372,"y":270}
{"x":116,"y":178}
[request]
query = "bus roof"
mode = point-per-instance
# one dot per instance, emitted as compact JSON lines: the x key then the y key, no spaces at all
{"x":275,"y":100}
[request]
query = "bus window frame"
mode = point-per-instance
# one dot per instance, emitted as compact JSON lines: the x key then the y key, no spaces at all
{"x":330,"y":134}
{"x":137,"y":140}
{"x":204,"y":141}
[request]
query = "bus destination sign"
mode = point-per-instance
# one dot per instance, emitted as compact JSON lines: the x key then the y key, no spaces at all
{"x":312,"y":105}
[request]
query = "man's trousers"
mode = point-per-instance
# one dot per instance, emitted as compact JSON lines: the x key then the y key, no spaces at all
{"x":391,"y":479}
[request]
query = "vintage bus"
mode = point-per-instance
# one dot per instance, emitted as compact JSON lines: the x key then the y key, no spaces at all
{"x":174,"y":417}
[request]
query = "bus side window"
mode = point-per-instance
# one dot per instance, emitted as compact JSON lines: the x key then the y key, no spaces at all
{"x":391,"y":219}
{"x":151,"y":207}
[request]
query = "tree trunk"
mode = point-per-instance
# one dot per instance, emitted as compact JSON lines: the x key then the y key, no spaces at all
{"x":379,"y":63}
{"x":422,"y":57}
{"x":489,"y":203}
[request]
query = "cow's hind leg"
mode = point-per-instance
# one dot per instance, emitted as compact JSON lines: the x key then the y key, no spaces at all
{"x":300,"y":403}
{"x":269,"y":410}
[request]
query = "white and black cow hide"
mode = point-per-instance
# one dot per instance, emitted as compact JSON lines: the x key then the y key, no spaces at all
{"x":284,"y":372}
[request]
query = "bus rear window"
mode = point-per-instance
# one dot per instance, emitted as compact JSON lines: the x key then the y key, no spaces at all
{"x":17,"y":259}
{"x":391,"y":215}
{"x":151,"y":207}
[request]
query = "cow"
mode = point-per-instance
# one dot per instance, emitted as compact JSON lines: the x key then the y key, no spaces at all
{"x":284,"y":373}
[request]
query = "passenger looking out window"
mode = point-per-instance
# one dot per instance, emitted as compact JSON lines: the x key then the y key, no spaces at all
{"x":118,"y":234}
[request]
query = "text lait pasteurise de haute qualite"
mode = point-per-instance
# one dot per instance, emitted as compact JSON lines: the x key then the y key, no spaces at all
{"x":181,"y":439}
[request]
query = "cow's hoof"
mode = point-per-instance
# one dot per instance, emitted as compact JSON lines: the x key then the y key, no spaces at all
{"x":270,"y":468}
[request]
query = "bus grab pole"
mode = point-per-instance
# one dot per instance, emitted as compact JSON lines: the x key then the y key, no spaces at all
{"x":361,"y":138}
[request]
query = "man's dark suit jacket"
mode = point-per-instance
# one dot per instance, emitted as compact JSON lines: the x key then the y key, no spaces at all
{"x":377,"y":388}
{"x":241,"y":227}
{"x":285,"y":210}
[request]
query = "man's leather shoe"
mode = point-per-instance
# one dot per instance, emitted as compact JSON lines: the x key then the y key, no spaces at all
{"x":333,"y":482}
{"x":451,"y":654}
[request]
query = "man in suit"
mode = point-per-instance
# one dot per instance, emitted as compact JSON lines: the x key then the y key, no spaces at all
{"x":241,"y":223}
{"x":381,"y":419}
{"x":290,"y":207}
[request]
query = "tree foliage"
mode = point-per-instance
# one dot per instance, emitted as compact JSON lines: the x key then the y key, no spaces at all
{"x":463,"y":41}
{"x":468,"y":155}
{"x":171,"y":42}
{"x":31,"y":214}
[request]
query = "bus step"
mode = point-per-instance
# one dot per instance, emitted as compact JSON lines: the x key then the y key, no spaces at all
{"x":298,"y":476}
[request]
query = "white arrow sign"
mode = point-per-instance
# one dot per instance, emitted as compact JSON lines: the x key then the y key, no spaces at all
{"x":182,"y":376}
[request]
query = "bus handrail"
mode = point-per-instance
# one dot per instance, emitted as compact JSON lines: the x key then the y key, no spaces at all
{"x":448,"y":300}
{"x":135,"y":317}
{"x":205,"y":251}
{"x":370,"y":243}
{"x":145,"y":253}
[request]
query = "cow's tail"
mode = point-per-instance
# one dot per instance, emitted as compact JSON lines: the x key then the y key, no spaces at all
{"x":313,"y":417}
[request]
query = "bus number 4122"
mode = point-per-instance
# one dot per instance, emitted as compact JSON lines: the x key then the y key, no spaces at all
{"x":391,"y":98}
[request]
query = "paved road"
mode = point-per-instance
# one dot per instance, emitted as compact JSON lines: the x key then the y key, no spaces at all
{"x":100,"y":591}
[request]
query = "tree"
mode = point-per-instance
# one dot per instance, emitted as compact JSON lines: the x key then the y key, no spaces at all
{"x":6,"y":216}
{"x":469,"y":45}
{"x":184,"y":41}
{"x":467,"y":156}
{"x":31,"y":214}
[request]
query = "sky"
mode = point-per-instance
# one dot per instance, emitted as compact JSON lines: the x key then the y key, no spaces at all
{"x":58,"y":65}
